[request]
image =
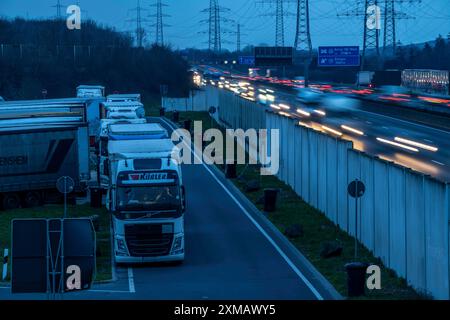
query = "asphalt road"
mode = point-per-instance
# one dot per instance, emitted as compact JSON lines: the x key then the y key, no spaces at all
{"x":232,"y":253}
{"x":373,"y":125}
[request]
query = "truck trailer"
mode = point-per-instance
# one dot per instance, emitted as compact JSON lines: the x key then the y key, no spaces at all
{"x":88,"y":107}
{"x":35,"y":152}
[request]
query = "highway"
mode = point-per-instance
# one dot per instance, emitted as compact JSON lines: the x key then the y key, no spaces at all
{"x":232,"y":253}
{"x":371,"y":132}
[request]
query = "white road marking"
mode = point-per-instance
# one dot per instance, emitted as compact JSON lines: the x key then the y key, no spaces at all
{"x":407,"y":122}
{"x":429,"y":141}
{"x":131,"y":281}
{"x":109,"y":291}
{"x":439,"y":163}
{"x":256,"y":224}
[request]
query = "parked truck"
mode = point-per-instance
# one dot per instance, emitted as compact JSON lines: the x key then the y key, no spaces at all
{"x":36,"y":151}
{"x":122,"y":110}
{"x":130,"y":97}
{"x":147,"y":200}
{"x":123,"y":132}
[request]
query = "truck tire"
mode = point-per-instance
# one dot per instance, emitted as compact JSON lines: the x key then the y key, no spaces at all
{"x":32,"y":199}
{"x":11,"y":201}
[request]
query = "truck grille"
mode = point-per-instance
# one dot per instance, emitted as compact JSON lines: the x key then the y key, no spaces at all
{"x":148,"y":240}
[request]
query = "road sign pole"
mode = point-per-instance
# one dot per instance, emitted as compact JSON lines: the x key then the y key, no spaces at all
{"x":356,"y":219}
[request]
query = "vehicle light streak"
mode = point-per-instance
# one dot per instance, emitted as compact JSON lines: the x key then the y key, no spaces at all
{"x":320,"y":112}
{"x":335,"y":132}
{"x":304,"y":113}
{"x":416,"y":144}
{"x":396,"y":144}
{"x":350,"y":129}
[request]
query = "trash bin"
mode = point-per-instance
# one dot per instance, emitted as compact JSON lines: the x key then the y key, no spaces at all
{"x":356,"y":278}
{"x":162,"y":112}
{"x":230,"y":171}
{"x":270,"y":199}
{"x":96,"y":197}
{"x":187,"y":124}
{"x":176,"y":116}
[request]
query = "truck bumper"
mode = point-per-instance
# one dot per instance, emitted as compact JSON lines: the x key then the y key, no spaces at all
{"x":139,"y":260}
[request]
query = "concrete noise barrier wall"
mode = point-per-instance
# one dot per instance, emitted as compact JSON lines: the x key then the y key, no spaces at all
{"x":403,"y":216}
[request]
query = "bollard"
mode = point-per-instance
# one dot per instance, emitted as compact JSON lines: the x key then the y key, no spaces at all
{"x":270,"y":199}
{"x":356,"y":279}
{"x":230,"y":171}
{"x":176,"y":116}
{"x":187,"y":124}
{"x":96,"y":197}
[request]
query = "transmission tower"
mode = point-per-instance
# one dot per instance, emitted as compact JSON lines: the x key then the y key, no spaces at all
{"x":371,"y":32}
{"x":159,"y":35}
{"x":238,"y":41}
{"x":389,"y":27}
{"x":58,"y":7}
{"x":303,"y":32}
{"x":387,"y":11}
{"x":279,"y":15}
{"x":215,"y":29}
{"x":139,"y":31}
{"x":279,"y":38}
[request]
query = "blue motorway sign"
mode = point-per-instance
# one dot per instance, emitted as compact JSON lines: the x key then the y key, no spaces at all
{"x":247,"y":60}
{"x":344,"y":56}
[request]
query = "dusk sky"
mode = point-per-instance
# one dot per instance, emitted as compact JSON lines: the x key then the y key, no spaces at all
{"x":431,"y":18}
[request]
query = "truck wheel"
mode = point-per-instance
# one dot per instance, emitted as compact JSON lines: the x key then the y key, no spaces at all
{"x":11,"y":201}
{"x":32,"y":199}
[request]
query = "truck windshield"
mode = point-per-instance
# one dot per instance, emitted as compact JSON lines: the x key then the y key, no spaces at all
{"x":162,"y":200}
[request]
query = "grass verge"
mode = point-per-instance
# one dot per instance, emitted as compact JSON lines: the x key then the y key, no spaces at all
{"x":56,"y":211}
{"x":318,"y":230}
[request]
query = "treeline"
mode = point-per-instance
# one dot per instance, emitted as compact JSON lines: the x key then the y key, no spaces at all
{"x":44,"y":54}
{"x":431,"y":56}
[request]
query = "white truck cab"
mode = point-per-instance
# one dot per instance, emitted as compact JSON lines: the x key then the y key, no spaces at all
{"x":136,"y":97}
{"x":124,"y":110}
{"x":147,"y":201}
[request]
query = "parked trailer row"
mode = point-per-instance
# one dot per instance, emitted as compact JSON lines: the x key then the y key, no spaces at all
{"x":144,"y":185}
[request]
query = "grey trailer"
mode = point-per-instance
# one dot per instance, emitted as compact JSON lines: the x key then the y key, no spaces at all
{"x":89,"y":107}
{"x":35,"y":154}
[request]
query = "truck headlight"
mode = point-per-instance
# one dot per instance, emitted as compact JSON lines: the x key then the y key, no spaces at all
{"x":177,"y":247}
{"x":121,"y":246}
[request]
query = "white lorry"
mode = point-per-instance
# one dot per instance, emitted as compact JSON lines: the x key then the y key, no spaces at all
{"x":122,"y":110}
{"x":129,"y":97}
{"x":146,"y":198}
{"x":121,"y":131}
